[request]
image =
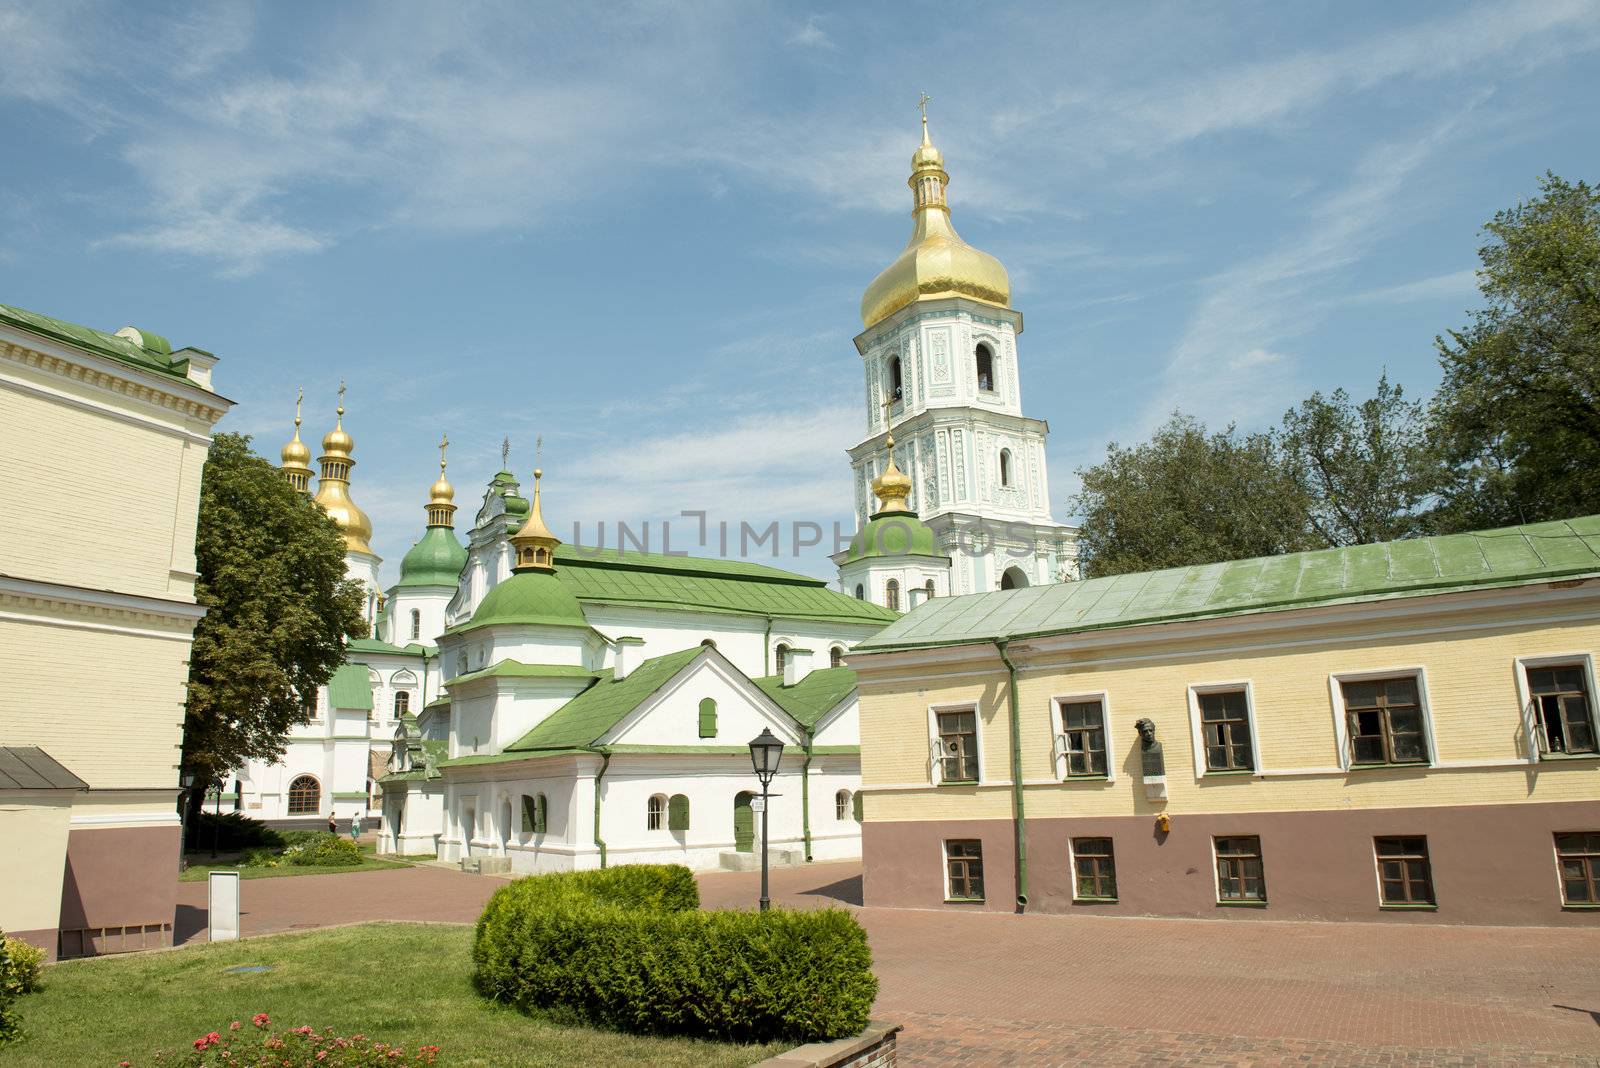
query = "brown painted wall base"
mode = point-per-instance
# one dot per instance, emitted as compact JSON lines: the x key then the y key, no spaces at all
{"x":45,"y":939}
{"x":120,"y":890}
{"x":1492,"y":864}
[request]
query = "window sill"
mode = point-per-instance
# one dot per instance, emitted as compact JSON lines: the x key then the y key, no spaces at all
{"x":1094,"y":901}
{"x":1390,"y":767}
{"x":958,"y":782}
{"x":964,"y":900}
{"x":1581,"y":906}
{"x":1086,"y":778}
{"x":1558,"y":757}
{"x":1414,"y":907}
{"x":1228,"y":773}
{"x":1241,"y":904}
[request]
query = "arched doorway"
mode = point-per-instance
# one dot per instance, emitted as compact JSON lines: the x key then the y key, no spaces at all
{"x":1013,"y":579}
{"x":744,"y":822}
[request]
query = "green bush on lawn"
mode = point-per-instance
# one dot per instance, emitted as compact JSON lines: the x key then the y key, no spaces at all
{"x":317,"y":848}
{"x":628,"y":948}
{"x":21,"y":965}
{"x":233,"y":831}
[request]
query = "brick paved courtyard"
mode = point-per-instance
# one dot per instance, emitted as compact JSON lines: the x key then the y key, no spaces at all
{"x":984,"y":988}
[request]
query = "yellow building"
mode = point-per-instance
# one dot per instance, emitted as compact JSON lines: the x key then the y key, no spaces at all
{"x":104,"y":437}
{"x":1378,"y":732}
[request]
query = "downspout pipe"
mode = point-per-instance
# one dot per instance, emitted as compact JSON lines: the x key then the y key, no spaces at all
{"x":1019,"y":821}
{"x":805,"y":794}
{"x":600,"y":843}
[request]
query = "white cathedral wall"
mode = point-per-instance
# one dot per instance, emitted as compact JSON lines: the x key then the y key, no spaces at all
{"x":745,"y":640}
{"x":672,"y":716}
{"x":428,"y":602}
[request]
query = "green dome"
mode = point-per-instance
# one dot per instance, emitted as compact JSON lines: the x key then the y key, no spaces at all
{"x":435,"y":560}
{"x":892,"y":534}
{"x":529,"y":597}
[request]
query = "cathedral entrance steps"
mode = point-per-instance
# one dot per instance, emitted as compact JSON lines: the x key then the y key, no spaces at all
{"x":486,"y":865}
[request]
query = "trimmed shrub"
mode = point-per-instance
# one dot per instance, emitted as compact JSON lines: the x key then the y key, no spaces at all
{"x":324,"y":849}
{"x":10,"y":1028}
{"x":234,"y":830}
{"x":22,"y":966}
{"x":627,"y":948}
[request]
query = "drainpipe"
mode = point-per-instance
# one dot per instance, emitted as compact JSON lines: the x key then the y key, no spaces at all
{"x":600,"y":843}
{"x":805,"y":794}
{"x":766,"y":648}
{"x":1018,"y":818}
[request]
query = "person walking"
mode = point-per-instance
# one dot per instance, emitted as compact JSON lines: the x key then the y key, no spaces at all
{"x":355,"y":827}
{"x":333,"y":824}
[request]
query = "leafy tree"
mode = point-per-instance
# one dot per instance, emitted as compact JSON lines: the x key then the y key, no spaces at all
{"x":278,"y":610}
{"x":1518,"y":413}
{"x":1187,"y":496}
{"x":1366,"y":469}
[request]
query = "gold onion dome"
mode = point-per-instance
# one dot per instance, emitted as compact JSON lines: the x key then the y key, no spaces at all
{"x":535,"y":544}
{"x":441,"y":495}
{"x":333,"y":488}
{"x":296,"y":454}
{"x":893,"y":486}
{"x":936,"y":262}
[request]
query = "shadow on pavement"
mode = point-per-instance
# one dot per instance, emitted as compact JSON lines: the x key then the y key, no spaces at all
{"x":846,"y":890}
{"x":1591,"y":1013}
{"x":188,"y":923}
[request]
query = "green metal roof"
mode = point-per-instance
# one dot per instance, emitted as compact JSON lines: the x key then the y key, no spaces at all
{"x":587,"y":717}
{"x":813,"y":696}
{"x":709,"y":585}
{"x":435,"y":560}
{"x":514,"y":669}
{"x":1450,"y":563}
{"x":527,"y":598}
{"x":350,"y":688}
{"x":509,"y":756}
{"x":156,"y":357}
{"x":892,"y":534}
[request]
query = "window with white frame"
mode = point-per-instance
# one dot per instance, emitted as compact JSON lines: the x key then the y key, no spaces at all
{"x":955,"y":745}
{"x":1559,"y":709}
{"x":655,"y":812}
{"x":1223,"y":720}
{"x":1082,"y":741}
{"x":841,"y":805}
{"x":963,"y":866}
{"x":1381,"y":718}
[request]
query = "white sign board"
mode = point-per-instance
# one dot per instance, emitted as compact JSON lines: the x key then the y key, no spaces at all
{"x":222,"y":906}
{"x":758,"y":804}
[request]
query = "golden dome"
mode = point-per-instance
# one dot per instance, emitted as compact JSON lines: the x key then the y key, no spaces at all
{"x":535,"y":543}
{"x":296,"y":454}
{"x":893,"y":486}
{"x":441,"y":495}
{"x":936,"y":262}
{"x":333,"y":488}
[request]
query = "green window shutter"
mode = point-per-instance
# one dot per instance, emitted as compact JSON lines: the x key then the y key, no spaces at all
{"x":708,"y":718}
{"x":541,"y":814}
{"x":855,"y":805}
{"x":678,"y":813}
{"x":529,"y":818}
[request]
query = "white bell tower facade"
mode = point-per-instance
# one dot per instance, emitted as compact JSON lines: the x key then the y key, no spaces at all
{"x":939,"y":355}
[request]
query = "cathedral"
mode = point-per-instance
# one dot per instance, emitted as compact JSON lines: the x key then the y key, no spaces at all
{"x":521,"y":705}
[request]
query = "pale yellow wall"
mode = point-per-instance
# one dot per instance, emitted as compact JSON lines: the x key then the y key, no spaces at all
{"x":1471,"y":692}
{"x":33,"y":830}
{"x":93,"y":500}
{"x":106,"y":704}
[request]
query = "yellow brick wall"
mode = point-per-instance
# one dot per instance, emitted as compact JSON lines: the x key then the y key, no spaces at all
{"x":97,"y":501}
{"x":107,"y":705}
{"x":1471,"y":693}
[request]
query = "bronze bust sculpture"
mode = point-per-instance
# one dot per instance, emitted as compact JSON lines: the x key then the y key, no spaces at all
{"x":1151,"y":758}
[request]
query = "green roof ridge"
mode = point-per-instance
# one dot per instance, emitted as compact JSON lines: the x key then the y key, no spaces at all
{"x":813,"y":696}
{"x":1445,"y":563}
{"x":582,"y":721}
{"x":516,"y":669}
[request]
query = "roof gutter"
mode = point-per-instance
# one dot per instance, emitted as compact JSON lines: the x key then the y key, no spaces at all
{"x":1019,"y":823}
{"x":600,"y":843}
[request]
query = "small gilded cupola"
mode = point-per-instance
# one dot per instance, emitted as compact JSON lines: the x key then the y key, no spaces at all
{"x":442,"y":495}
{"x":437,"y":558}
{"x":892,"y":486}
{"x":535,"y":544}
{"x":297,"y":454}
{"x":333,"y":487}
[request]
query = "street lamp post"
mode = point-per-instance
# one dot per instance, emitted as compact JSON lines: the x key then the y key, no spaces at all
{"x":216,"y":821}
{"x":766,"y":750}
{"x":185,"y":785}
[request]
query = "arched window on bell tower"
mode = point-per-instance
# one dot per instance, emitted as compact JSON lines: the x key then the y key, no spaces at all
{"x":1005,"y":467}
{"x":896,"y":384}
{"x":891,"y":595}
{"x":985,"y":361}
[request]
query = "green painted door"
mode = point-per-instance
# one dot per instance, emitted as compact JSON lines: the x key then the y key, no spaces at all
{"x":744,"y":824}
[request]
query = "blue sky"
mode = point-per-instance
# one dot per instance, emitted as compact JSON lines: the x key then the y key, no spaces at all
{"x":641,"y":231}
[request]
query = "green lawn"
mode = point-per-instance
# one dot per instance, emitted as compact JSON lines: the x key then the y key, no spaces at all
{"x":195,"y":873}
{"x":400,"y":983}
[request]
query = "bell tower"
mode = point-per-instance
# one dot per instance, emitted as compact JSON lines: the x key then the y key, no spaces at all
{"x":940,"y":363}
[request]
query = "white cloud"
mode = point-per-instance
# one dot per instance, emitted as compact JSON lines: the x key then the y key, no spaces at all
{"x":1462,"y":284}
{"x":811,"y":35}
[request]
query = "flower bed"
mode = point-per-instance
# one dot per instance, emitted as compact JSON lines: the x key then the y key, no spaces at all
{"x":628,"y":948}
{"x":296,"y":1047}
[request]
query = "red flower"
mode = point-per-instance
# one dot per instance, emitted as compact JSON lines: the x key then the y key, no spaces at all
{"x":260,"y":1019}
{"x":235,"y":1026}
